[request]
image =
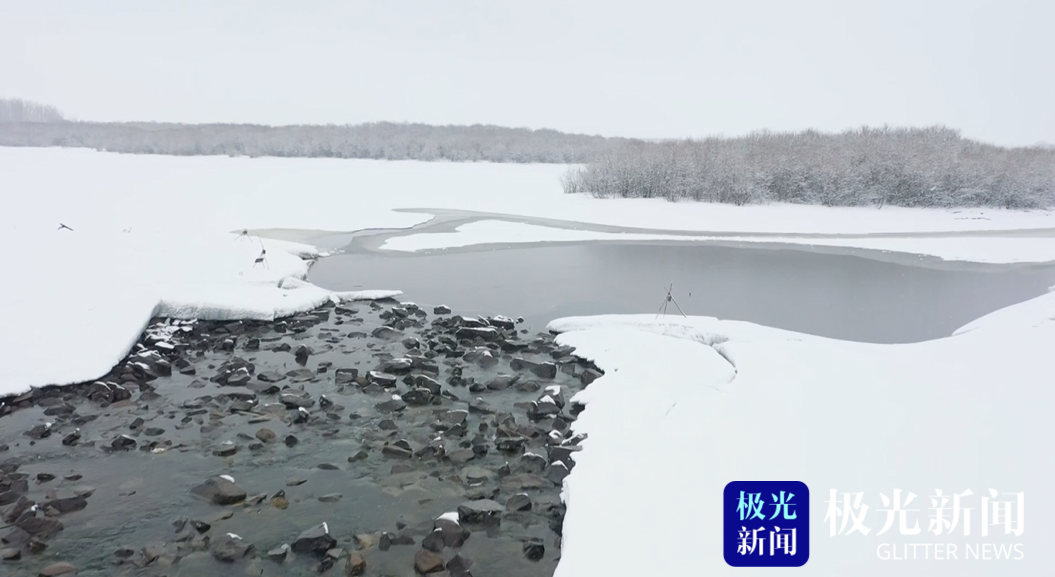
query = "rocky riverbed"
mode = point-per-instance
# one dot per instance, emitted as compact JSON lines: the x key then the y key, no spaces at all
{"x":375,"y":438}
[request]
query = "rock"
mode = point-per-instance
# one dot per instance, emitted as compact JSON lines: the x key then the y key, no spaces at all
{"x":271,"y":377}
{"x":328,"y":467}
{"x":67,"y":505}
{"x":58,"y":570}
{"x":534,"y":550}
{"x":387,"y":425}
{"x":316,"y":540}
{"x":426,"y":562}
{"x":355,"y":565}
{"x":359,"y":456}
{"x":295,"y":481}
{"x":531,"y":463}
{"x":291,"y":440}
{"x":502,"y":382}
{"x":454,"y":535}
{"x":330,"y":498}
{"x":296,"y":400}
{"x":478,"y":405}
{"x":589,"y":375}
{"x":427,"y":382}
{"x":10,"y":554}
{"x":220,"y":491}
{"x":266,"y":435}
{"x":441,"y":310}
{"x":459,"y":565}
{"x":381,"y":379}
{"x":123,"y":443}
{"x":153,"y":431}
{"x":393,"y":405}
{"x":72,"y":438}
{"x":417,"y":397}
{"x":519,"y":502}
{"x":461,"y":456}
{"x":301,"y":354}
{"x":230,"y":548}
{"x":279,"y":554}
{"x":473,"y":475}
{"x":396,"y":451}
{"x":479,"y":510}
{"x":434,"y":541}
{"x":396,"y":366}
{"x":279,"y":501}
{"x":39,"y":431}
{"x":387,"y":333}
{"x":226,"y":449}
{"x":345,"y":376}
{"x":556,"y":472}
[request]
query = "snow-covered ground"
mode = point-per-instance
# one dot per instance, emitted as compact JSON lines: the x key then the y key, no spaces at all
{"x":74,"y":302}
{"x":985,"y":249}
{"x":220,"y":193}
{"x":688,"y":405}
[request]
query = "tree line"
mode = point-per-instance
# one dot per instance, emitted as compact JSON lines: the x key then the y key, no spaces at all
{"x":28,"y":125}
{"x":912,"y":167}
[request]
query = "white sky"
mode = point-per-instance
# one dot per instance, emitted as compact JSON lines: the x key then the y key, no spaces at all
{"x":644,"y":68}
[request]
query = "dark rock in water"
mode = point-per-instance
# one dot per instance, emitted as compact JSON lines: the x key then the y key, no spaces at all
{"x":220,"y":490}
{"x":387,"y":425}
{"x":291,"y":440}
{"x":477,"y":511}
{"x":381,"y":379}
{"x":263,"y":388}
{"x":480,"y":406}
{"x":417,"y":397}
{"x":502,"y":382}
{"x":67,"y":505}
{"x":531,"y":463}
{"x":441,"y":310}
{"x":359,"y":456}
{"x":330,"y":498}
{"x":297,"y":399}
{"x":433,"y":541}
{"x":41,"y":431}
{"x":200,"y":526}
{"x":391,"y":406}
{"x":230,"y":548}
{"x":266,"y":435}
{"x":590,"y":375}
{"x":525,"y":481}
{"x":461,"y":456}
{"x":511,"y":445}
{"x":124,"y":553}
{"x":123,"y":443}
{"x":426,"y":382}
{"x":534,"y":550}
{"x":459,"y":565}
{"x":301,"y":354}
{"x":45,"y":477}
{"x":325,"y":402}
{"x":278,"y":554}
{"x":271,"y":377}
{"x":473,"y":333}
{"x":396,"y":451}
{"x":454,"y":535}
{"x":58,"y":570}
{"x":153,"y":431}
{"x":316,"y":540}
{"x":386,"y":333}
{"x":482,"y":357}
{"x":252,"y":344}
{"x":545,"y":370}
{"x":345,"y":376}
{"x":301,"y":375}
{"x":519,"y":502}
{"x":556,"y":472}
{"x":503,"y":322}
{"x":426,"y":562}
{"x":396,"y":366}
{"x":225,"y":449}
{"x":563,"y":454}
{"x":355,"y":566}
{"x":282,"y":348}
{"x":40,"y":527}
{"x":295,"y":481}
{"x":301,"y":416}
{"x":528,"y":386}
{"x":328,"y":467}
{"x":10,"y":554}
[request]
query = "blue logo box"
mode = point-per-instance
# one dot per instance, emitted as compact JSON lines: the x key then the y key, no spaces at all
{"x":767,"y":523}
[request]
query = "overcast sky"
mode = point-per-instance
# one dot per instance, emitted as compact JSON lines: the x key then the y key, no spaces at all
{"x":644,"y":68}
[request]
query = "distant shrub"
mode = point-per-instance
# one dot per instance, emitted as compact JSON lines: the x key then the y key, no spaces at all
{"x":18,"y":110}
{"x":912,"y":167}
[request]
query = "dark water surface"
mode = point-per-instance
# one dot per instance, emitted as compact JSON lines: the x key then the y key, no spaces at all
{"x":832,"y":295}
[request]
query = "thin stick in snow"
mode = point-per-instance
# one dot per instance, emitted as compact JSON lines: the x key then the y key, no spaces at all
{"x":669,"y":299}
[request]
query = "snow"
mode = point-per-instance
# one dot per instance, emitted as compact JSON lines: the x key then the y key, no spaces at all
{"x":983,"y":249}
{"x":75,"y":302}
{"x":687,"y":405}
{"x":155,"y":192}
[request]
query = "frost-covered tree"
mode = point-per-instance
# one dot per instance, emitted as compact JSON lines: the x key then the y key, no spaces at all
{"x":915,"y":167}
{"x":18,"y":110}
